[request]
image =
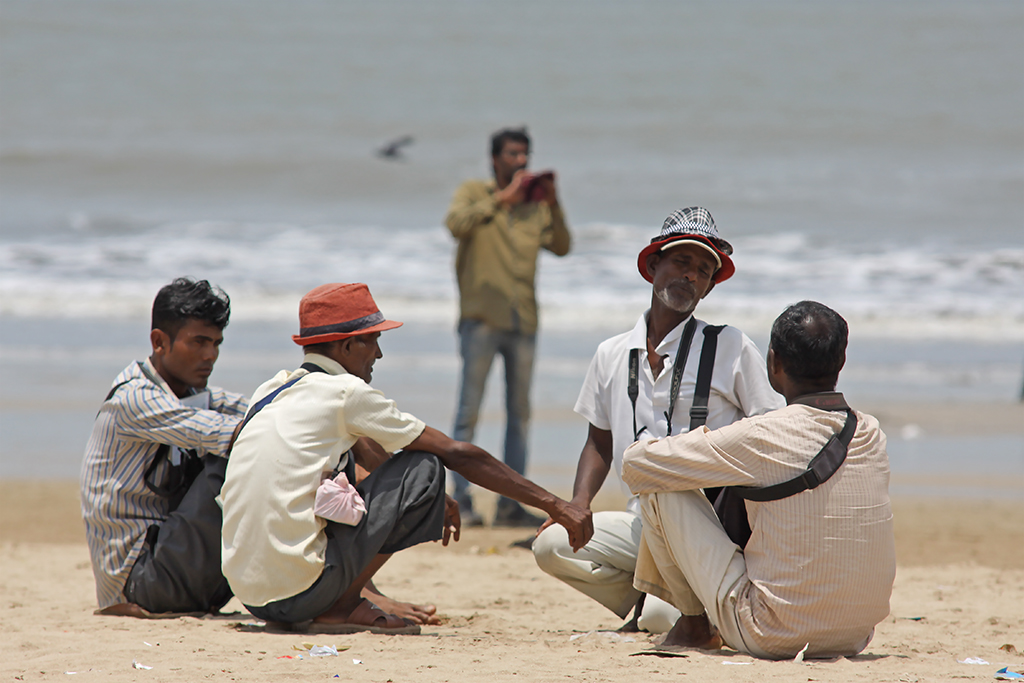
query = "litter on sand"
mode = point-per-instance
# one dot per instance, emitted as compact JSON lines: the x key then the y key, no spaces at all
{"x":800,"y":655}
{"x":611,"y":636}
{"x":136,"y":665}
{"x":321,"y":650}
{"x":973,"y":660}
{"x":1008,"y":674}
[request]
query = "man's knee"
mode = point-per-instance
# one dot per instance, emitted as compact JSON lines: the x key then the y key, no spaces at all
{"x":424,"y":470}
{"x":549,"y":548}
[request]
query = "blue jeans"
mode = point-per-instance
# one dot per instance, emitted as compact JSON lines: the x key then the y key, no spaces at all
{"x":478,"y":344}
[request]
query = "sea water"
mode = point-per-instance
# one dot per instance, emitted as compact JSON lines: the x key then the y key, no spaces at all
{"x":867,"y":155}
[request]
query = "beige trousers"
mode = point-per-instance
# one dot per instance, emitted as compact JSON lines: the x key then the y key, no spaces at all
{"x":603,"y":569}
{"x":701,"y":568}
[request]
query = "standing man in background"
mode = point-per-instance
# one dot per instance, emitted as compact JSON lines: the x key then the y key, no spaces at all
{"x":501,"y":225}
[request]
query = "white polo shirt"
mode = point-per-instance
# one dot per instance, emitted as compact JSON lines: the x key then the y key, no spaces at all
{"x":739,"y":386}
{"x":272,"y":543}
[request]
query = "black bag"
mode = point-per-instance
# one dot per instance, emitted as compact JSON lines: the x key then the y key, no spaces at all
{"x":171,"y":481}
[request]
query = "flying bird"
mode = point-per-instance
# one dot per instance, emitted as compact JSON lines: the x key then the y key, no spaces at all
{"x":393,"y":149}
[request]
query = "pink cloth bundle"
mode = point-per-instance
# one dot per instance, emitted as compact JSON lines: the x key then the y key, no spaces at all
{"x":338,"y":501}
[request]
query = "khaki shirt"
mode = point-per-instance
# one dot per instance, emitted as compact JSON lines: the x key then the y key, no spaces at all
{"x":496,"y":261}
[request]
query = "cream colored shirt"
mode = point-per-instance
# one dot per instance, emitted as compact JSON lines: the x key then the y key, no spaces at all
{"x":821,"y":563}
{"x":272,"y":543}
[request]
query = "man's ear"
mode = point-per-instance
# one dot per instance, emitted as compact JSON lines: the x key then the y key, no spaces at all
{"x":160,"y":340}
{"x":652,"y":261}
{"x":774,"y":367}
{"x":343,"y":347}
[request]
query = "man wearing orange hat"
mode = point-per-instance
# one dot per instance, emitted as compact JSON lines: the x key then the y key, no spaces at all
{"x":283,"y":558}
{"x":642,"y":384}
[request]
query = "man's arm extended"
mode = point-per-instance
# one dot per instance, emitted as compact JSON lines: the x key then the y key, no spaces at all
{"x":476,"y":465}
{"x":593,"y":468}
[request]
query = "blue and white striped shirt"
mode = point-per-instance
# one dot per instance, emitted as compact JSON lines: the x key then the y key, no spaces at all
{"x":117,"y":506}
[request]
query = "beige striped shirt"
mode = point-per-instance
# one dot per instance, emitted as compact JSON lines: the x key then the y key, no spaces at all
{"x":821,"y":563}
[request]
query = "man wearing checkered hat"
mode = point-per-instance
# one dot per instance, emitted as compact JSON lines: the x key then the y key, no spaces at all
{"x":641,"y":384}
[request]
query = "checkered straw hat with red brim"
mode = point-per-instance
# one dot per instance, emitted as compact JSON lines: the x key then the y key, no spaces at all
{"x":693,"y":225}
{"x":337,"y":311}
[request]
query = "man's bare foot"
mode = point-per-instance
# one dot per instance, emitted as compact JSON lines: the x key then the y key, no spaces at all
{"x":417,"y":614}
{"x":692,"y":632}
{"x":364,"y":617}
{"x":130,"y":609}
{"x":125,"y":609}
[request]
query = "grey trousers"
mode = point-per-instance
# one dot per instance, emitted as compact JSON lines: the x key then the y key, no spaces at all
{"x":178,"y":569}
{"x":404,"y":507}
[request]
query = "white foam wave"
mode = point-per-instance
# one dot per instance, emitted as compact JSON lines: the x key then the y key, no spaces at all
{"x":91,"y":270}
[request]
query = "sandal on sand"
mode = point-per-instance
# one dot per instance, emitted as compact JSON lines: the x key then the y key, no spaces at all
{"x":367,"y":617}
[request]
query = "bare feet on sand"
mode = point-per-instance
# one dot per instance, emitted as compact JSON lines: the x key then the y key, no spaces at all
{"x":365,"y":616}
{"x":695,"y":633}
{"x":417,"y":614}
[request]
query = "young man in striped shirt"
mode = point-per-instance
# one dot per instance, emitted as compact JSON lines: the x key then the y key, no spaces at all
{"x":155,"y":464}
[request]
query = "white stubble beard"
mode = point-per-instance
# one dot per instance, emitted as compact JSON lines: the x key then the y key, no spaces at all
{"x":676,"y":301}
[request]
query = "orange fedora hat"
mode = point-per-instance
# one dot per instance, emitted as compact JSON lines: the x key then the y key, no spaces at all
{"x":338,"y":310}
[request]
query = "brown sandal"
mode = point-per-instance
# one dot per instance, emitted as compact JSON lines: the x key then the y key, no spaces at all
{"x":367,"y":617}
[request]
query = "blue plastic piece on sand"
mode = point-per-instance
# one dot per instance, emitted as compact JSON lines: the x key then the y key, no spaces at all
{"x":1005,"y":674}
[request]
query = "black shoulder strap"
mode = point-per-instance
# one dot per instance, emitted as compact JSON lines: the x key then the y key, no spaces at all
{"x":266,"y":400}
{"x":677,"y":370}
{"x":702,"y":392}
{"x":633,"y":388}
{"x":113,"y":389}
{"x":820,"y":470}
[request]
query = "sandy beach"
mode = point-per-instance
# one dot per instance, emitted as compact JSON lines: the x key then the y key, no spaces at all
{"x":959,"y":594}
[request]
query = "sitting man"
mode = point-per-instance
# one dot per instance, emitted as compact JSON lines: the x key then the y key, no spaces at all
{"x":666,"y":349}
{"x":818,"y":568}
{"x":288,"y":564}
{"x":154,"y":465}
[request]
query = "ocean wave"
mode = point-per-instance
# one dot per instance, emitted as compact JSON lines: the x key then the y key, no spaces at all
{"x":106,"y":267}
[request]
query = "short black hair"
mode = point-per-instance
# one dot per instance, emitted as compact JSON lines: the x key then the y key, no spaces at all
{"x":323,"y":348}
{"x":187,"y":299}
{"x":504,"y":135}
{"x":809,"y":339}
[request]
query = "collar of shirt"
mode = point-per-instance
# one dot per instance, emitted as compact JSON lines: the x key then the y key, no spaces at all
{"x":148,"y":371}
{"x":638,"y":337}
{"x":332,"y":366}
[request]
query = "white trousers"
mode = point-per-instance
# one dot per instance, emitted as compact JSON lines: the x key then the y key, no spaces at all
{"x":603,"y":569}
{"x":701,"y":568}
